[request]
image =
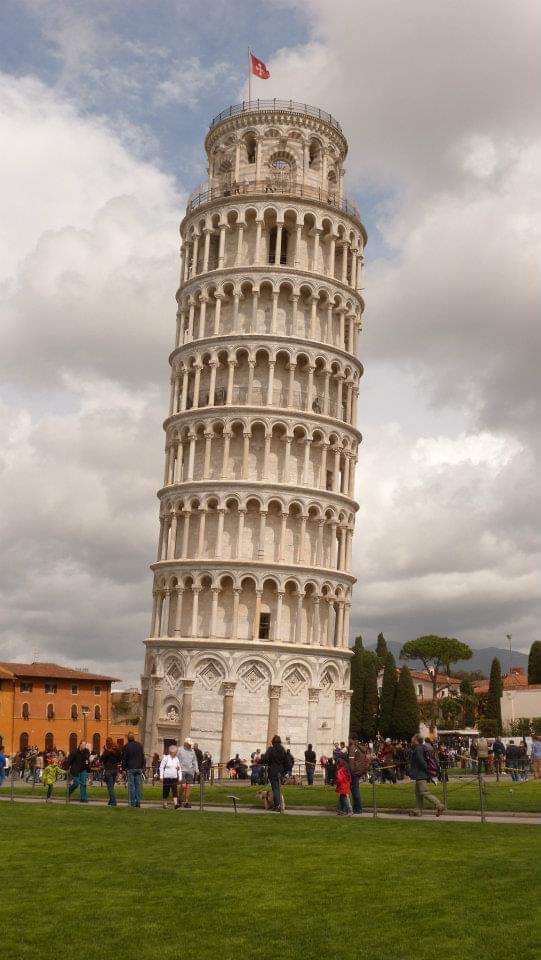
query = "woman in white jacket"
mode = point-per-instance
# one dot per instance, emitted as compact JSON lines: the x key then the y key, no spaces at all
{"x":170,"y":775}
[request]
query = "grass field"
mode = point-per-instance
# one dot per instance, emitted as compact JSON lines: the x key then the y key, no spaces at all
{"x":119,"y":884}
{"x":502,"y":796}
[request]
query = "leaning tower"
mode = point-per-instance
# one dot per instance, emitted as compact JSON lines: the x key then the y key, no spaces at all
{"x":252,"y":582}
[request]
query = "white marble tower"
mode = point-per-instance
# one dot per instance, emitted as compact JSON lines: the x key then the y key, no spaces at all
{"x":252,"y":583}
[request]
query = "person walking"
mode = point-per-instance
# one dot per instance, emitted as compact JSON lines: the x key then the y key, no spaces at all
{"x":51,"y":773}
{"x":512,"y":760}
{"x":133,"y":762}
{"x":78,"y":764}
{"x":420,"y":774}
{"x":2,"y":766}
{"x":498,"y":752}
{"x":359,"y":764}
{"x":110,"y":762}
{"x":189,"y":768}
{"x":310,"y":764}
{"x":170,"y":776}
{"x":275,"y":759}
{"x":343,"y":787}
{"x":482,"y":755}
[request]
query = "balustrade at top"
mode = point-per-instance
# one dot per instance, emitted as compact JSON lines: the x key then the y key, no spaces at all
{"x":293,"y":106}
{"x":276,"y":186}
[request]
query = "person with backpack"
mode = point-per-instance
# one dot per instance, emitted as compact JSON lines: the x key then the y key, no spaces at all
{"x":78,"y":764}
{"x":275,"y":759}
{"x":343,"y":787}
{"x":421,"y":773}
{"x":359,"y":764}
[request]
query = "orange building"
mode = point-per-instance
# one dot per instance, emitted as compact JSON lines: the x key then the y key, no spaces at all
{"x":54,"y":707}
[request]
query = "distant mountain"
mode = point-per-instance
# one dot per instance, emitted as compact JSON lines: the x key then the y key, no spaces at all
{"x":481,"y":660}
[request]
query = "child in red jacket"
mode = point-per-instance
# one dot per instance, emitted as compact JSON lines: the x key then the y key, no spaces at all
{"x":343,"y":788}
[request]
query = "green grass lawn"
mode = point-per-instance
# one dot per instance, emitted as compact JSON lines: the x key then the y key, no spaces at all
{"x":502,"y":796}
{"x":124,"y":884}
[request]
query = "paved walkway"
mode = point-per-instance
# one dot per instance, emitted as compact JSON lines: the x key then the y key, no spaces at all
{"x":458,"y":817}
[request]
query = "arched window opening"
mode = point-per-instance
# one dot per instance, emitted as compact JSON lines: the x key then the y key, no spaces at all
{"x":283,"y":245}
{"x":97,"y":712}
{"x":96,"y":743}
{"x":314,"y":155}
{"x":49,"y":742}
{"x":73,"y":713}
{"x":25,"y":711}
{"x":264,"y":626}
{"x":50,"y":711}
{"x":23,"y":742}
{"x":251,"y":148}
{"x":72,"y":742}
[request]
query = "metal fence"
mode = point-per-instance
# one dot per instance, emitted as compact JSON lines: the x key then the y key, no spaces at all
{"x":249,"y":106}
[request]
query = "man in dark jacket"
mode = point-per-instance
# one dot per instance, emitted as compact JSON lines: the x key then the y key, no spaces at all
{"x":310,"y":763}
{"x":78,"y":764}
{"x":275,"y":760}
{"x":512,"y":759}
{"x":133,"y":762}
{"x":358,"y":767}
{"x":420,"y":773}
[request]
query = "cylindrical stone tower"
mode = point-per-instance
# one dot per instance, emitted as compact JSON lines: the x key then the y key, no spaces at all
{"x":252,"y":583}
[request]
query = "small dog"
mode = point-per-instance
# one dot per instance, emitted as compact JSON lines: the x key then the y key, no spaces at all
{"x":268,"y":799}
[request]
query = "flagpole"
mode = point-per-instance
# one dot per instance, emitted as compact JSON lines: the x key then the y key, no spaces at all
{"x":249,"y":76}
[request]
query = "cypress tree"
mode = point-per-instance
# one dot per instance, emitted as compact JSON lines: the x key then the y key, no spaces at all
{"x":493,"y":708}
{"x":405,"y":721}
{"x":357,"y":686}
{"x":388,"y":695}
{"x":534,"y":662}
{"x":469,"y":702}
{"x":381,"y":650}
{"x":369,"y":723}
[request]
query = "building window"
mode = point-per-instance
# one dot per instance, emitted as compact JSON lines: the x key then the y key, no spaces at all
{"x":97,"y":691}
{"x":50,"y":688}
{"x":96,"y":743}
{"x":419,"y":689}
{"x":264,"y":626}
{"x":25,"y":712}
{"x":26,"y":687}
{"x":74,"y":689}
{"x":49,"y":742}
{"x":23,"y":741}
{"x":50,"y":711}
{"x":73,"y":713}
{"x":73,"y":742}
{"x":97,"y":712}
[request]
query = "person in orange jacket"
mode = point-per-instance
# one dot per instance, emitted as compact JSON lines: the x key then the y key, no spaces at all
{"x":343,"y":787}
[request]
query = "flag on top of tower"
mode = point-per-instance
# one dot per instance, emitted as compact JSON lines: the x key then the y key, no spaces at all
{"x":259,"y":69}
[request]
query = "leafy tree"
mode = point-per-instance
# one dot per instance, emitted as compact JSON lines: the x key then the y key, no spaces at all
{"x":451,"y":711}
{"x":493,"y":708}
{"x":369,"y":724}
{"x":437,"y":654}
{"x":388,"y":694}
{"x":405,"y":722}
{"x":534,"y":662}
{"x":357,"y":686}
{"x":488,"y":726}
{"x":381,"y":650}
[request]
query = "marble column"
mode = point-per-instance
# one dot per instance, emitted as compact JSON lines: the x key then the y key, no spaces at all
{"x":274,"y":707}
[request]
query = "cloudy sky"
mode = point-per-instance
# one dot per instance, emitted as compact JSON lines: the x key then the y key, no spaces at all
{"x":104,"y":107}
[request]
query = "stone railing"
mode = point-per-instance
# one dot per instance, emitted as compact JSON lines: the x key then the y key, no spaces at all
{"x":283,"y":187}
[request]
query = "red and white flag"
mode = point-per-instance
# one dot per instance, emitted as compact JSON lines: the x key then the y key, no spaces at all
{"x":259,"y":69}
